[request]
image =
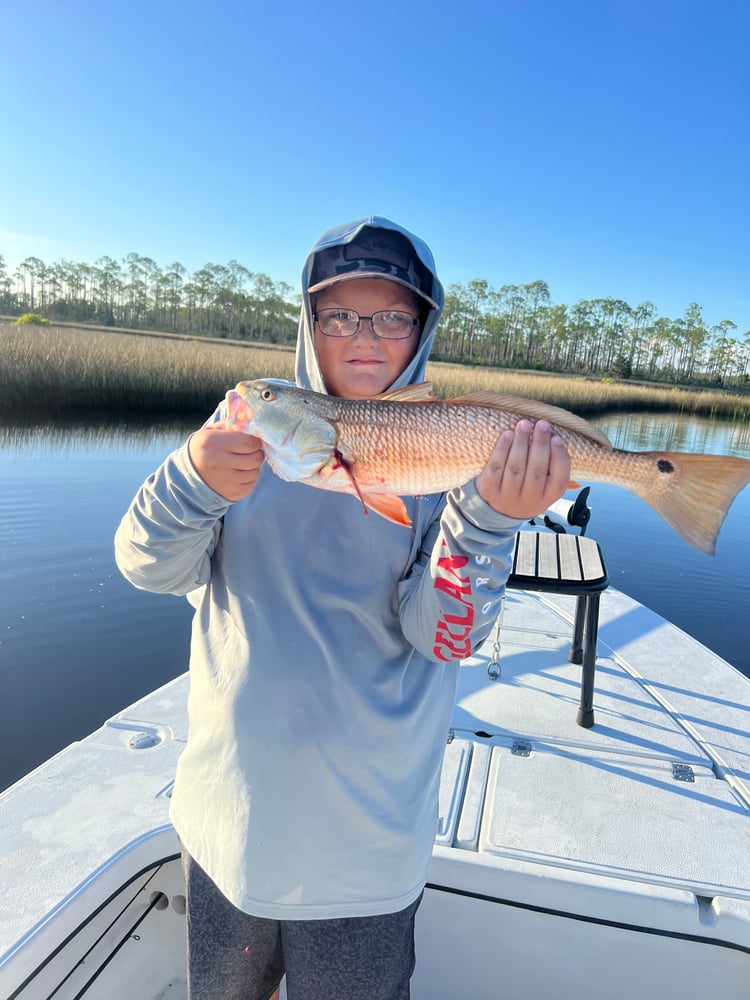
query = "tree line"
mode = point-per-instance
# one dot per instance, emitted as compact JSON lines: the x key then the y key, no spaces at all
{"x":219,"y":300}
{"x":519,"y":326}
{"x":515,"y":326}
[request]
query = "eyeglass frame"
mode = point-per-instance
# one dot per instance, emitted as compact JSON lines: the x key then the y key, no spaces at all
{"x":415,"y":321}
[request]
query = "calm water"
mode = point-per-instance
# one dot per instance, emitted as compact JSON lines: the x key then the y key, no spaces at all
{"x":78,"y":643}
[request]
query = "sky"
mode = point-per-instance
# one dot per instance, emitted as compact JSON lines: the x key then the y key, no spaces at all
{"x":601,"y":146}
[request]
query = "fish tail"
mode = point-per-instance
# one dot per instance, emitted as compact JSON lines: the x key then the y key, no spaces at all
{"x":694,"y":492}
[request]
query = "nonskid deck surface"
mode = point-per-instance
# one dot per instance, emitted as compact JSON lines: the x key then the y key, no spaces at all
{"x":537,"y":693}
{"x":644,"y":793}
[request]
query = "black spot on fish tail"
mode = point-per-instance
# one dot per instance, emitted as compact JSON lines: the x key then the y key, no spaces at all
{"x":664,"y":465}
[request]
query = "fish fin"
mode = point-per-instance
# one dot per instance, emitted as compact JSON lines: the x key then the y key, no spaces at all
{"x":415,"y":393}
{"x":573,"y":485}
{"x":694,"y":492}
{"x":389,"y":506}
{"x":535,"y":410}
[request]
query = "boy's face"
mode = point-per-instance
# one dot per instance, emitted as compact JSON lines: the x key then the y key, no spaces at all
{"x":364,"y":365}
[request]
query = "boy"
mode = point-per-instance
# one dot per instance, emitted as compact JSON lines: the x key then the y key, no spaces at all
{"x":325,"y":652}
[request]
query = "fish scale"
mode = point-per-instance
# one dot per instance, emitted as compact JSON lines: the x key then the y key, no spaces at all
{"x":399,"y":449}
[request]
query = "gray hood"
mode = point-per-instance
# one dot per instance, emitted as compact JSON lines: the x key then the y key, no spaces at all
{"x":307,"y":372}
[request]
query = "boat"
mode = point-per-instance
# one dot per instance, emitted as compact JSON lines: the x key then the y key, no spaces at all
{"x":609,"y":860}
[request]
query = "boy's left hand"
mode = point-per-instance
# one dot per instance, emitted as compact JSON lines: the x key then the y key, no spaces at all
{"x":528,"y":470}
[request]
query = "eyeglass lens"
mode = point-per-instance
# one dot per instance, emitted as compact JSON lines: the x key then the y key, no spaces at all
{"x":389,"y":324}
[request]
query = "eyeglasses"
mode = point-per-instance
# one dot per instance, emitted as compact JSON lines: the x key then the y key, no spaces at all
{"x":388,"y":324}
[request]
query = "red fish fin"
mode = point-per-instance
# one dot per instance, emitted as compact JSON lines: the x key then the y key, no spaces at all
{"x":339,"y":460}
{"x":573,"y":485}
{"x":418,"y":392}
{"x":693,"y":492}
{"x":389,"y":506}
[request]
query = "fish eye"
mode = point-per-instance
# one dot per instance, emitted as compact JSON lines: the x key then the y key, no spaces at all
{"x":267,"y":394}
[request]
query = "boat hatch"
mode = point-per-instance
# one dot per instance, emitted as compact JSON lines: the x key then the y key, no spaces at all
{"x":604,"y":813}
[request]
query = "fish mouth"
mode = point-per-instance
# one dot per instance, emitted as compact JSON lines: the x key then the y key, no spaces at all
{"x":238,"y":409}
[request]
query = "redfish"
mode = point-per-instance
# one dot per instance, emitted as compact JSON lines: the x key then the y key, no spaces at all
{"x":406,"y":442}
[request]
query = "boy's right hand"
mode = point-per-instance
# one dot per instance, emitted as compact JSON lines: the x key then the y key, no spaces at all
{"x":227,"y":460}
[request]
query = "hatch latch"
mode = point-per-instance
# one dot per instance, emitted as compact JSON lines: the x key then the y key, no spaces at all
{"x":683,"y":772}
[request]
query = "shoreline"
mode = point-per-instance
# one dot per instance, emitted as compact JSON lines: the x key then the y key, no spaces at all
{"x":67,"y":369}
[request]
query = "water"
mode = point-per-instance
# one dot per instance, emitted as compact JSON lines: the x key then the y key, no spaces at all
{"x":708,"y":597}
{"x":78,"y":643}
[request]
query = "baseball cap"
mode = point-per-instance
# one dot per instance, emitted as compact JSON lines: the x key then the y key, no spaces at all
{"x":373,"y":253}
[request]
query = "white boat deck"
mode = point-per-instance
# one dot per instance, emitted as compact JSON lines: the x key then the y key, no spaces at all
{"x":535,"y":810}
{"x":607,"y":799}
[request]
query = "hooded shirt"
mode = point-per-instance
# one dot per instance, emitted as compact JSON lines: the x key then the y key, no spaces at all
{"x":324,"y":659}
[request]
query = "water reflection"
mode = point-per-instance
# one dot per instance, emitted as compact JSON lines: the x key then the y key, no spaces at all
{"x":65,"y":436}
{"x":676,"y":432}
{"x":77,"y":642}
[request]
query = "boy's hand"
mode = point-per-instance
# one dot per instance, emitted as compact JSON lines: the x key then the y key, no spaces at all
{"x":227,"y":460}
{"x":526,"y":471}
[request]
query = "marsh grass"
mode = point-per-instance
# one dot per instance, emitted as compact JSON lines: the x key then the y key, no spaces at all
{"x":63,"y":370}
{"x":587,"y":396}
{"x":54,"y":370}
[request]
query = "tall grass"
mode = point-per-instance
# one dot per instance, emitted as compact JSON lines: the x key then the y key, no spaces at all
{"x":63,"y":370}
{"x":589,"y":396}
{"x":51,"y":370}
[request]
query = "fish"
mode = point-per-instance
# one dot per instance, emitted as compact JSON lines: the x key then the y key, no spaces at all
{"x":409,"y":442}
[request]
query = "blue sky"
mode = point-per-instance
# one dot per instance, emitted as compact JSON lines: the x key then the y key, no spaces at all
{"x":600,"y":146}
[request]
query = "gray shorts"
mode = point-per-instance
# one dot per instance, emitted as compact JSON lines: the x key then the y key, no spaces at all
{"x":235,"y":956}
